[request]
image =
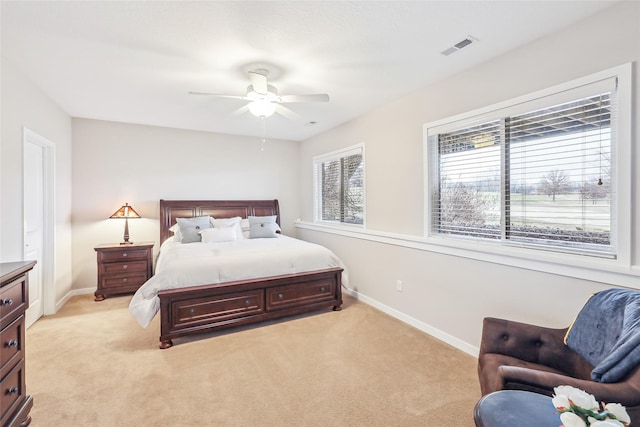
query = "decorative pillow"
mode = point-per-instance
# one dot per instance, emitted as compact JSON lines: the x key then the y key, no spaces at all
{"x":219,"y":234}
{"x":263,"y":226}
{"x":233,"y":223}
{"x":245,"y":226}
{"x":190,"y":228}
{"x":175,"y":229}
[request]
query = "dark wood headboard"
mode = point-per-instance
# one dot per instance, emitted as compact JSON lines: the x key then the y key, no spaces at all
{"x":172,"y":209}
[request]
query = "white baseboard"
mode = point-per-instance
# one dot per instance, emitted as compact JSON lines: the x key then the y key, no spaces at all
{"x":434,"y":332}
{"x":73,"y":293}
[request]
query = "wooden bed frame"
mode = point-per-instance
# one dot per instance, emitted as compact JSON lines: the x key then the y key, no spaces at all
{"x":198,"y":309}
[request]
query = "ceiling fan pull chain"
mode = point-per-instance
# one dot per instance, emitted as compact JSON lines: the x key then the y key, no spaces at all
{"x":263,"y":134}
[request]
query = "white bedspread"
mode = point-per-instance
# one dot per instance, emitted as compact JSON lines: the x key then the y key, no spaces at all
{"x":190,"y":264}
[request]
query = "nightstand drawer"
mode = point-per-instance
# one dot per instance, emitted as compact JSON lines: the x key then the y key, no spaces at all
{"x":118,"y":255}
{"x":123,"y":267}
{"x":113,"y":281}
{"x":11,"y":345}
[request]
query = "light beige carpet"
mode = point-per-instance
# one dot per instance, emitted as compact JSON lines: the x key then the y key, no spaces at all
{"x":93,"y":365}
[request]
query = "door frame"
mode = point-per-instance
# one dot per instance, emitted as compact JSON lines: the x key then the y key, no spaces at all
{"x":48,"y":216}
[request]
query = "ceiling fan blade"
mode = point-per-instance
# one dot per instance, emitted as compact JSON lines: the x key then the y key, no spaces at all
{"x":240,"y":111}
{"x":218,"y":95}
{"x":289,"y":114}
{"x":259,"y":82}
{"x":318,"y":97}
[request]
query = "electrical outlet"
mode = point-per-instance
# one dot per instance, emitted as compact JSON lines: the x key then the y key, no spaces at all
{"x":399,"y":285}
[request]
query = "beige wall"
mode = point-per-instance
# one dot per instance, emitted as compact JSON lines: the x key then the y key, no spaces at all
{"x":450,"y":294}
{"x":114,"y":163}
{"x":447,"y":295}
{"x":24,"y":105}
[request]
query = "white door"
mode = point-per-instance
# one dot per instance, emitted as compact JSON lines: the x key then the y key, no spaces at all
{"x":34,"y":225}
{"x":36,"y":172}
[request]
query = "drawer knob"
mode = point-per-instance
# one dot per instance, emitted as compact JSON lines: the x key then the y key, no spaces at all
{"x":12,"y":343}
{"x":280,"y":296}
{"x":7,"y":301}
{"x":125,"y":254}
{"x":124,"y":267}
{"x":322,"y":289}
{"x":13,"y":389}
{"x":124,"y":280}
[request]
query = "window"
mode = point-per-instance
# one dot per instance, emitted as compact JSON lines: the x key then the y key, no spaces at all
{"x":339,"y":186}
{"x":539,"y":173}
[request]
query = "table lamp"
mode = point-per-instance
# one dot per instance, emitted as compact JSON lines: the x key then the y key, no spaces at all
{"x":125,"y":212}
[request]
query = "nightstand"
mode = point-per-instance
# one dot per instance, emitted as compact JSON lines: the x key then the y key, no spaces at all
{"x":123,"y":268}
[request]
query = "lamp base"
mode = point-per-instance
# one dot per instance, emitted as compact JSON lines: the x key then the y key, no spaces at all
{"x":126,"y":243}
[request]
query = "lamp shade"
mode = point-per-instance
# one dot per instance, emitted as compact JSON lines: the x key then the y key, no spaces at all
{"x":125,"y":212}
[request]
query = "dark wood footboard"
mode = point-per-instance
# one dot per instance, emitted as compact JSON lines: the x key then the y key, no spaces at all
{"x":198,"y":309}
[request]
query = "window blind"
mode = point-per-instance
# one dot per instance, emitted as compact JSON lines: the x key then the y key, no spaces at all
{"x":469,"y":181}
{"x":560,"y":168}
{"x":543,"y":175}
{"x":339,"y":186}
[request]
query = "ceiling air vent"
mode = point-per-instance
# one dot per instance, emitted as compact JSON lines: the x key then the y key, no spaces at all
{"x":456,"y":47}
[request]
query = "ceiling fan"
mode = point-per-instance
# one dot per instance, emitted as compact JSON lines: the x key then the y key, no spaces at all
{"x":264,"y":99}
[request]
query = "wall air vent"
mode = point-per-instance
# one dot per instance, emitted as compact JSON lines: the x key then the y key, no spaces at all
{"x":456,"y":47}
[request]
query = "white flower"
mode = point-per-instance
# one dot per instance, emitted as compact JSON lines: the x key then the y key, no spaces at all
{"x":569,"y":419}
{"x":579,"y":397}
{"x":618,"y":411}
{"x":577,"y":408}
{"x":560,"y":401}
{"x":606,"y":423}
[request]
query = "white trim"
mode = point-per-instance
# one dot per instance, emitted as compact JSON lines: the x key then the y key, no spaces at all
{"x":568,"y":265}
{"x":424,"y":327}
{"x":529,"y":257}
{"x":72,"y":293}
{"x":340,"y":153}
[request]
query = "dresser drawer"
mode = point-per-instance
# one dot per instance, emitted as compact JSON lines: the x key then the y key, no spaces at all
{"x":13,"y":300}
{"x":287,"y":296}
{"x":109,"y":256}
{"x":220,"y":308}
{"x":12,"y":391}
{"x":118,"y":281}
{"x":123,"y":267}
{"x":11,"y":345}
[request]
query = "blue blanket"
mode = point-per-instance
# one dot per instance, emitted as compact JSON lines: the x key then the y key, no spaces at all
{"x":606,"y":333}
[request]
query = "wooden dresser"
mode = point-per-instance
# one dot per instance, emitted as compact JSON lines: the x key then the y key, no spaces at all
{"x":15,"y":404}
{"x":123,"y":268}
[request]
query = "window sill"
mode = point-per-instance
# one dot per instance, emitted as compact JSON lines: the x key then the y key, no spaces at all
{"x":608,"y":271}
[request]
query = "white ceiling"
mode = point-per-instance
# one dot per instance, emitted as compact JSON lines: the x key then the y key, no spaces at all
{"x":136,"y":61}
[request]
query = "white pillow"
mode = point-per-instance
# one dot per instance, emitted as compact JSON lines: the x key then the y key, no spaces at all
{"x":233,"y":223}
{"x":175,"y":229}
{"x":245,"y":226}
{"x":220,"y":234}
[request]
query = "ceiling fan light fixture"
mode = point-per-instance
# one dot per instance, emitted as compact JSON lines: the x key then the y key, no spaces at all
{"x":262,"y":108}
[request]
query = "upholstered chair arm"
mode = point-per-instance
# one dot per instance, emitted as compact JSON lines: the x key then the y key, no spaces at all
{"x":531,"y":343}
{"x":513,"y":377}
